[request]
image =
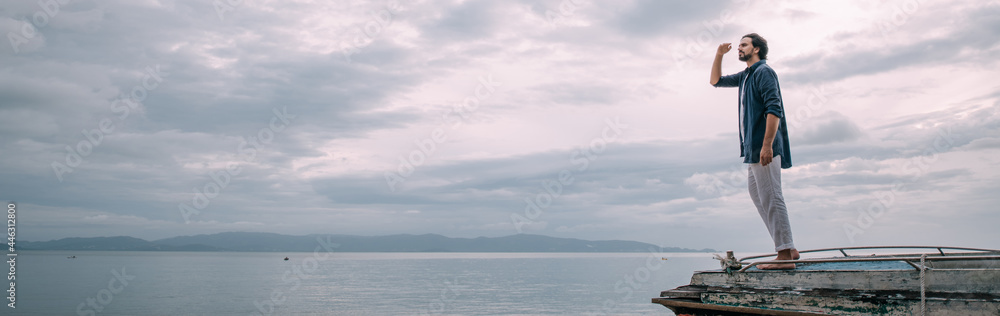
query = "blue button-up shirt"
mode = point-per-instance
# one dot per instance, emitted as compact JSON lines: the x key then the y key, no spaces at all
{"x":759,"y":96}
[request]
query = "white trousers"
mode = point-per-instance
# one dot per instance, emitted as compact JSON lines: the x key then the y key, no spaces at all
{"x":764,"y":183}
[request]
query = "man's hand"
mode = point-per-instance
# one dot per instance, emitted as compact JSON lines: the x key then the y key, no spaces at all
{"x":766,"y":155}
{"x":717,"y":64}
{"x":723,"y":49}
{"x":770,"y":130}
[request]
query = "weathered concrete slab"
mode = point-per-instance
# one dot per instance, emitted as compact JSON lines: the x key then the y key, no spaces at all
{"x":940,"y":280}
{"x":968,"y":285}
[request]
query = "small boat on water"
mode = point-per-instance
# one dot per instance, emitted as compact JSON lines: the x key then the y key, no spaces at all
{"x":948,"y":281}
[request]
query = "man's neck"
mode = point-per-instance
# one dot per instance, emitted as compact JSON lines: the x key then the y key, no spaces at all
{"x":752,"y":60}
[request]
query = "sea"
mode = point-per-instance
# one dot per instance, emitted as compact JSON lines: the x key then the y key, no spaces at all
{"x":335,"y":283}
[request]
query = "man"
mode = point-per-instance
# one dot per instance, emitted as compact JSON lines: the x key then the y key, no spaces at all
{"x":763,"y":138}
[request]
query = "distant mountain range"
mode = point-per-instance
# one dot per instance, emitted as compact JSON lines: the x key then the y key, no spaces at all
{"x":243,"y":241}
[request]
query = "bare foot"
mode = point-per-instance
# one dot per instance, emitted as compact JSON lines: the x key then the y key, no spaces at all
{"x":787,"y":254}
{"x":776,"y":266}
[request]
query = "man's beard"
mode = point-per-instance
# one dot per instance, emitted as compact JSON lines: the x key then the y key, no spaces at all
{"x":744,"y":57}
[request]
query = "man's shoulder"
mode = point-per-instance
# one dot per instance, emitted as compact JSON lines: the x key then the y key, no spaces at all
{"x":765,"y":71}
{"x":764,"y":67}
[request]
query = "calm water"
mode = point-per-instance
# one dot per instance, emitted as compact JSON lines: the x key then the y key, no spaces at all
{"x":224,"y":283}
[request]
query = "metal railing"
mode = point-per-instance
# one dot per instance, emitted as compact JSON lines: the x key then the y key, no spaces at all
{"x":842,"y":250}
{"x":978,"y":254}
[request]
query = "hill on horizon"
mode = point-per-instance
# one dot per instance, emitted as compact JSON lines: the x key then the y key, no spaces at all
{"x":272,"y":242}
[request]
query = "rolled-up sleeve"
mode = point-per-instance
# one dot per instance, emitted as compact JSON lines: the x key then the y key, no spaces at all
{"x":767,"y":85}
{"x":732,"y":80}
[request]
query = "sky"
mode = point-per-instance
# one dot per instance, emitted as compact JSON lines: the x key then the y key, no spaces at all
{"x":571,"y":118}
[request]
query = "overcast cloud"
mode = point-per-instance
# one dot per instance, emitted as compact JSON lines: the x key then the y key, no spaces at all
{"x":385,"y":117}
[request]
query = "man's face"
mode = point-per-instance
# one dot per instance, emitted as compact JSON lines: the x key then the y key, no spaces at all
{"x":746,"y":49}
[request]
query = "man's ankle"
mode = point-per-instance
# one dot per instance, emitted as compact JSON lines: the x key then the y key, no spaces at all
{"x":785,"y":254}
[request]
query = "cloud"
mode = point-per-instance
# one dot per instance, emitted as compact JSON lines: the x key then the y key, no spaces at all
{"x":983,"y":143}
{"x":830,"y":128}
{"x":465,"y":21}
{"x":649,"y":17}
{"x":970,"y":42}
{"x":674,"y":173}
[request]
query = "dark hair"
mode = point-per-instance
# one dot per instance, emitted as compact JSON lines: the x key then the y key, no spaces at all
{"x":758,"y":42}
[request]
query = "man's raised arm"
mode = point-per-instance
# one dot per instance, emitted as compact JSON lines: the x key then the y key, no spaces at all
{"x":717,"y":65}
